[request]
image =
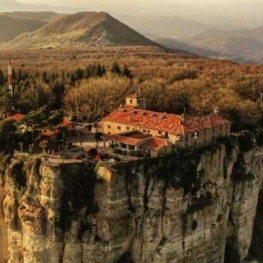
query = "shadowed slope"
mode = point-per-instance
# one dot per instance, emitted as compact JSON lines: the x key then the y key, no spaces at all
{"x":11,"y":27}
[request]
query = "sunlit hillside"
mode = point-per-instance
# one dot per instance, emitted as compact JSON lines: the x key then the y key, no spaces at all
{"x":78,"y":30}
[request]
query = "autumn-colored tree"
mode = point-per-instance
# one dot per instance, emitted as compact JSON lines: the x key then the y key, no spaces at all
{"x":96,"y":97}
{"x":169,"y":82}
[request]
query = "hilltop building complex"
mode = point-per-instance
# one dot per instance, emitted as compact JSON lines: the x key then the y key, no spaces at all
{"x":131,"y":128}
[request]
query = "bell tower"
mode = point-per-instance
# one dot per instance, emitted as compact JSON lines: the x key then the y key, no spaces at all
{"x":135,"y":101}
{"x":132,"y":100}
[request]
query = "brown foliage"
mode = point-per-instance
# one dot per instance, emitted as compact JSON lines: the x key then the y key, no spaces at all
{"x":170,"y":82}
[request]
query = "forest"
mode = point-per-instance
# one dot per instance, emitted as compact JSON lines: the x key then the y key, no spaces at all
{"x":91,"y":82}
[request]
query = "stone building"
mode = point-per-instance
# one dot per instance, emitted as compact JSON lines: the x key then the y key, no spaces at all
{"x":178,"y":130}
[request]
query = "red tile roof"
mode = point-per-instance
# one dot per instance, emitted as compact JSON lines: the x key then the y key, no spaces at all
{"x":154,"y":144}
{"x":66,"y":122}
{"x":192,"y":124}
{"x":149,"y":142}
{"x":146,"y":119}
{"x":170,"y":123}
{"x":16,"y":117}
{"x":122,"y":139}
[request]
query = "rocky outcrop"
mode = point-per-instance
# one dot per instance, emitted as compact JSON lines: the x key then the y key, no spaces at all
{"x":192,"y":207}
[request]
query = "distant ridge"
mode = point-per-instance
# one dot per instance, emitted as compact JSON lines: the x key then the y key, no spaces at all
{"x":14,"y":6}
{"x":38,"y":15}
{"x":81,"y":29}
{"x":11,"y":27}
{"x":245,"y":46}
{"x":168,"y":26}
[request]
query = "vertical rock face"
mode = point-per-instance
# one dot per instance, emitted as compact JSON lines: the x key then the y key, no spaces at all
{"x":196,"y":207}
{"x":256,"y":248}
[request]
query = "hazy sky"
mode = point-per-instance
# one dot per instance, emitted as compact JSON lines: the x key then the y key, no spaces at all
{"x":156,"y":6}
{"x":241,"y":11}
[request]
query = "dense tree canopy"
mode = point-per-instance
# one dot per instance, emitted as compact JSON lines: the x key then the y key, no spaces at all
{"x":43,"y":117}
{"x":169,"y":82}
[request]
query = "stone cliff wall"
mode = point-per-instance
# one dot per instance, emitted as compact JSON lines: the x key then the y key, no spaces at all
{"x":256,"y":248}
{"x":193,"y":207}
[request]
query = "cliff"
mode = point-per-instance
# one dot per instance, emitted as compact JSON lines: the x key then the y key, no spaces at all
{"x":192,"y":207}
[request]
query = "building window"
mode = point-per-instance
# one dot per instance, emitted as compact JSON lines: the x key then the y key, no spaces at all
{"x":134,"y":129}
{"x":204,"y":140}
{"x":119,"y":128}
{"x":109,"y":126}
{"x":131,"y":147}
{"x":148,"y":131}
{"x":220,"y":128}
{"x":127,"y":127}
{"x":194,"y":135}
{"x":159,"y":132}
{"x":123,"y":145}
{"x":130,"y":101}
{"x":143,"y":130}
{"x":186,"y":138}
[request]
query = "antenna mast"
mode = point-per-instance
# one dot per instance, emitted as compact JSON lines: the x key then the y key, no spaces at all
{"x":10,"y":77}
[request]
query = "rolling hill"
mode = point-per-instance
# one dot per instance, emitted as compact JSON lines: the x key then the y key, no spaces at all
{"x":81,"y":29}
{"x":245,"y":46}
{"x":11,"y":27}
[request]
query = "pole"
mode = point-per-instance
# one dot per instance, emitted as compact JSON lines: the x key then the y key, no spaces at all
{"x":10,"y":77}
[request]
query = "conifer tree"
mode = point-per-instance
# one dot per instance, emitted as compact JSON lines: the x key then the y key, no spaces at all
{"x":2,"y":78}
{"x":126,"y":72}
{"x":115,"y":69}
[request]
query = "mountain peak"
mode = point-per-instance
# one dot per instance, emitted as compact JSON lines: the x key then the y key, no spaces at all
{"x":82,"y":29}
